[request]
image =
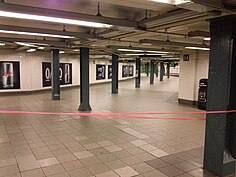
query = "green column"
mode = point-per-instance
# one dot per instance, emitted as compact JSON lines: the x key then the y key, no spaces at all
{"x":162,"y":71}
{"x":115,"y":68}
{"x":55,"y":65}
{"x":138,"y":73}
{"x":152,"y":72}
{"x":220,"y":138}
{"x":84,"y":80}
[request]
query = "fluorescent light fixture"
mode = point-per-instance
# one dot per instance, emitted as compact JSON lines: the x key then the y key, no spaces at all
{"x":76,"y":50}
{"x":167,"y":56}
{"x":2,"y":44}
{"x":35,"y":34}
{"x":172,"y":2}
{"x":147,"y":44}
{"x":134,"y":50}
{"x":207,"y":39}
{"x":31,"y":50}
{"x":160,"y":52}
{"x":100,"y":56}
{"x":53,"y":19}
{"x":130,"y":50}
{"x":41,"y":48}
{"x":61,"y":52}
{"x":197,"y":48}
{"x":178,"y":2}
{"x":25,"y":44}
{"x":135,"y":54}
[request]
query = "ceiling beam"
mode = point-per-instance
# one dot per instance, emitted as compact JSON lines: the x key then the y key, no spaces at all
{"x":171,"y":43}
{"x":69,"y":15}
{"x":198,"y":33}
{"x":47,"y":31}
{"x":48,"y":42}
{"x":171,"y":17}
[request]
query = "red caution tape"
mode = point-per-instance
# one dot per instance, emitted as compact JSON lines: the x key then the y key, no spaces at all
{"x":120,"y":115}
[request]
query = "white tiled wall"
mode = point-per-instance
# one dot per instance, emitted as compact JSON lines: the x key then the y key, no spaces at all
{"x":191,"y":72}
{"x":31,"y":68}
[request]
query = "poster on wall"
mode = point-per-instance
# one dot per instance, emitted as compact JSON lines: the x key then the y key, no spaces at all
{"x":100,"y":72}
{"x":125,"y":71}
{"x":65,"y":74}
{"x":131,"y":71}
{"x":10,"y":75}
{"x":109,"y":71}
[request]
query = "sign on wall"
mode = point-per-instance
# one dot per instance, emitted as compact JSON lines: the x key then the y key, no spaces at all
{"x":109,"y":71}
{"x":100,"y":72}
{"x":10,"y":75}
{"x":65,"y":74}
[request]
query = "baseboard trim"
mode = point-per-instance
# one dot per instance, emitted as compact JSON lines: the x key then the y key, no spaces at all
{"x":188,"y":102}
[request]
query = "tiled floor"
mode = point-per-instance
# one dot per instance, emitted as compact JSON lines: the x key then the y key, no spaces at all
{"x":76,"y":146}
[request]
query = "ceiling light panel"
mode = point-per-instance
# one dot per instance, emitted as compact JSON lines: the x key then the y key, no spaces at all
{"x":172,"y":2}
{"x":36,"y":34}
{"x":31,"y":50}
{"x":197,"y":48}
{"x":25,"y":44}
{"x":130,"y":50}
{"x":53,"y":19}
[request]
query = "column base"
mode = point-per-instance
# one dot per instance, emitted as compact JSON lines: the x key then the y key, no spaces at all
{"x":84,"y":107}
{"x":226,"y":169}
{"x":56,"y":97}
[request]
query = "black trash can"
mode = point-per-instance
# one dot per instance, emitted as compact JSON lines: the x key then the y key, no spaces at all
{"x":202,"y":94}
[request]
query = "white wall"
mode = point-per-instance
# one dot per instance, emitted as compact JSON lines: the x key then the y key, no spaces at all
{"x":31,"y":68}
{"x":191,"y":72}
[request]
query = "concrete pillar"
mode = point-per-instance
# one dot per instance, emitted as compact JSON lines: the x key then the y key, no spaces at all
{"x":147,"y":68}
{"x":115,"y":68}
{"x":84,"y":80}
{"x":168,"y":70}
{"x":55,"y":65}
{"x":152,"y":72}
{"x":220,"y":138}
{"x":138,"y":73}
{"x":156,"y":69}
{"x":162,"y":71}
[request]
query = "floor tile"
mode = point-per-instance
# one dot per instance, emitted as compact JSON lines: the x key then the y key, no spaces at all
{"x":142,"y":168}
{"x":107,"y":174}
{"x":83,"y":172}
{"x":10,"y":170}
{"x":113,"y":148}
{"x":138,"y":142}
{"x":126,"y":172}
{"x":28,"y":165}
{"x":115,"y":164}
{"x":157,"y":163}
{"x":98,"y":168}
{"x":159,"y":153}
{"x":105,"y":143}
{"x":171,"y":171}
{"x":185,"y":166}
{"x":71,"y":165}
{"x":54,"y":169}
{"x":33,"y":173}
{"x":83,"y":154}
{"x":48,"y":162}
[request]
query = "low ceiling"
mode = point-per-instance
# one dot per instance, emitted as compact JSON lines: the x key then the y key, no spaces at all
{"x":161,"y":26}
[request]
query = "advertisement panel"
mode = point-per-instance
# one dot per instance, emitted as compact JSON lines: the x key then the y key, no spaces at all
{"x":100,"y":72}
{"x":65,"y":74}
{"x":131,"y":71}
{"x":10,"y":75}
{"x":109,"y":71}
{"x":125,"y":71}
